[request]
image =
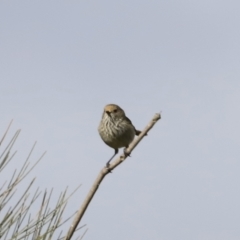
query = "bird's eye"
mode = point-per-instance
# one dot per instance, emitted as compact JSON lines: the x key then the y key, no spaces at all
{"x":115,"y":110}
{"x":107,"y":112}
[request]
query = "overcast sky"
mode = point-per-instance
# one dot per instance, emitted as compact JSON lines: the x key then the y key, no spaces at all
{"x":61,"y":62}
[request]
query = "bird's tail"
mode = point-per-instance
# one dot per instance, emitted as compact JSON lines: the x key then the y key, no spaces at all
{"x":138,"y":132}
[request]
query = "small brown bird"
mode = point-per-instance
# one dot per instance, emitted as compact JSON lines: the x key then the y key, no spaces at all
{"x":115,"y":129}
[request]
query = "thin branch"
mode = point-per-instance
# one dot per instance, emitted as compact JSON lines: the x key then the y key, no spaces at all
{"x":84,"y":234}
{"x":11,"y":143}
{"x":104,"y":172}
{"x":6,"y":132}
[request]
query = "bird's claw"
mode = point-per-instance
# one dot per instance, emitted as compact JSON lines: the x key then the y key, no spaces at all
{"x":125,"y":153}
{"x":107,"y":167}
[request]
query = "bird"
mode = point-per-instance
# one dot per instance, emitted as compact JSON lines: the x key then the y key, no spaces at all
{"x":116,"y":129}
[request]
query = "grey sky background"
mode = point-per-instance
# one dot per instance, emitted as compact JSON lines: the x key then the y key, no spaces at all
{"x":62,"y":61}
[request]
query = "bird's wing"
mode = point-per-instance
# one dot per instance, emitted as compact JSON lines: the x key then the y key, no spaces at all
{"x":137,"y":131}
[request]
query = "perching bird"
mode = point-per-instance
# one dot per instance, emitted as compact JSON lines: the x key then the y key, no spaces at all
{"x":115,"y":129}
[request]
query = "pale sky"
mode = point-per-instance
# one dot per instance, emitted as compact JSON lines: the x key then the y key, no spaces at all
{"x":63,"y":61}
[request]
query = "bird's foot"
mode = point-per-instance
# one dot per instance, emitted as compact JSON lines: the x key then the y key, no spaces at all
{"x":126,"y":153}
{"x":107,"y":167}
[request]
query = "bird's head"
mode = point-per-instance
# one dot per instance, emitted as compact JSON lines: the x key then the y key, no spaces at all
{"x":113,"y":111}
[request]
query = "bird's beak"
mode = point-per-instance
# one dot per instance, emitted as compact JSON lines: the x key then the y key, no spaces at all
{"x":109,"y":114}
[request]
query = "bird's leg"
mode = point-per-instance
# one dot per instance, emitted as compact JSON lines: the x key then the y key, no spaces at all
{"x":115,"y":153}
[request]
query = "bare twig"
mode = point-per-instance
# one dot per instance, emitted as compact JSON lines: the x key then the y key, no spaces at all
{"x":5,"y":132}
{"x":17,"y":221}
{"x":104,"y":172}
